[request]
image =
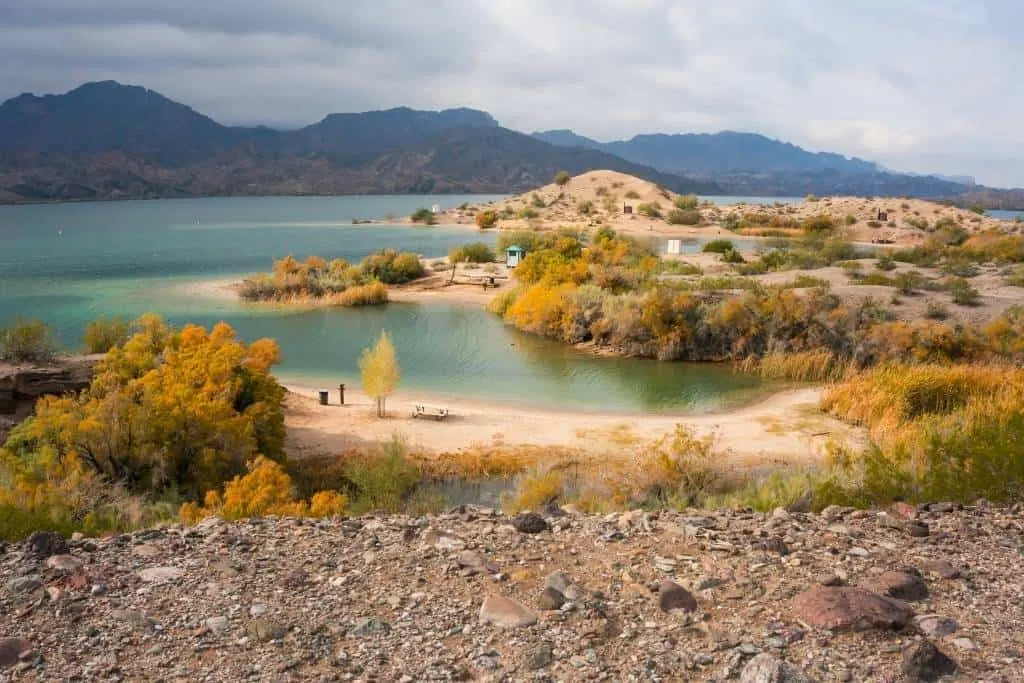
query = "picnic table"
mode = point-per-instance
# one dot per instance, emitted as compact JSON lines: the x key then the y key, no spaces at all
{"x":430,"y":411}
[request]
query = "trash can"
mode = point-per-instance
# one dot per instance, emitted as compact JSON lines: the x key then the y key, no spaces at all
{"x":323,"y":398}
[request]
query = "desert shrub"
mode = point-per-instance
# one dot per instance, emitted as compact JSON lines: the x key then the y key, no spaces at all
{"x":486,"y":219}
{"x":423,"y":215}
{"x":562,"y":178}
{"x":853,"y":269}
{"x":103,"y":334}
{"x":27,"y":341}
{"x":372,"y":294}
{"x":1015,"y":277}
{"x":528,"y":212}
{"x":383,"y":481}
{"x":936,"y":311}
{"x":850,"y":219}
{"x":601,"y":191}
{"x":960,"y":268}
{"x":874,"y":225}
{"x":719,"y":246}
{"x":731,"y":222}
{"x":806,"y":366}
{"x":632,"y":194}
{"x":963,"y":293}
{"x":676,"y":267}
{"x":885,"y":263}
{"x":586,"y":207}
{"x":684,"y":217}
{"x":650,"y":209}
{"x":908,"y":282}
{"x":686,"y":202}
{"x":732,"y":256}
{"x":819,"y":224}
{"x":391,"y":267}
{"x":917,"y":223}
{"x":534,"y":491}
{"x":477,"y":252}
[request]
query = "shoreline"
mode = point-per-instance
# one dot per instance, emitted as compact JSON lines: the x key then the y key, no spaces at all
{"x":784,"y":427}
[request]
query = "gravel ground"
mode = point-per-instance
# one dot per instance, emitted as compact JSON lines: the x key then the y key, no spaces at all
{"x":906,"y":594}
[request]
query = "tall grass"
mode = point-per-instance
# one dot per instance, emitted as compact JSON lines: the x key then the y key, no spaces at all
{"x":806,"y":366}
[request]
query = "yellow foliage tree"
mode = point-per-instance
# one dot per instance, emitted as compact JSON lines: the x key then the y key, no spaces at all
{"x":380,"y":371}
{"x":169,"y":410}
{"x":265,"y":490}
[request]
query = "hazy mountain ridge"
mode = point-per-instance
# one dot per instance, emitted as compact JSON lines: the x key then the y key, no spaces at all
{"x":110,"y":141}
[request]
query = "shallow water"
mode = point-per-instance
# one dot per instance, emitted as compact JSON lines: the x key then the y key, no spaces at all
{"x":126,"y":258}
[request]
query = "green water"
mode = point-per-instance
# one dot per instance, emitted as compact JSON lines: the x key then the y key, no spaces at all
{"x":126,"y":258}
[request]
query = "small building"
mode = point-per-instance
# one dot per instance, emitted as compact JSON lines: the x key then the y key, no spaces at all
{"x":627,"y":209}
{"x":674,"y":247}
{"x":435,"y":209}
{"x":514,"y":255}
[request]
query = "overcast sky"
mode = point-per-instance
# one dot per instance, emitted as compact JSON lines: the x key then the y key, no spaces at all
{"x":918,"y":85}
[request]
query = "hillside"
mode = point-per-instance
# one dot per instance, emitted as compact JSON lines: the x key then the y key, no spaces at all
{"x":109,"y":141}
{"x":714,"y":154}
{"x":912,"y":594}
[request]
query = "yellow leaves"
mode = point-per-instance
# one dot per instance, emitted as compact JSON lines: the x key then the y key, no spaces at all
{"x":265,"y":490}
{"x":380,"y":371}
{"x":263,"y":353}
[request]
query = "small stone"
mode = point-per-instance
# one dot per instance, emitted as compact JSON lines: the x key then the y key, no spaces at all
{"x":369,"y":626}
{"x":506,"y":613}
{"x":43,"y":544}
{"x":64,"y":563}
{"x":257,"y":609}
{"x":698,"y":521}
{"x":940,"y":568}
{"x":917,"y":529}
{"x":941,"y":507}
{"x":577,"y":661}
{"x":530,"y":523}
{"x":550,"y":600}
{"x":161,"y":574}
{"x":832,"y":580}
{"x":672,"y":596}
{"x":539,"y":657}
{"x":904,"y":585}
{"x":24,"y":584}
{"x":847,"y":608}
{"x":856,"y":551}
{"x":265,"y":629}
{"x":133,"y":618}
{"x":217,"y":625}
{"x":935,"y":625}
{"x":774,"y":545}
{"x":767,"y":668}
{"x":964,"y":644}
{"x":922,"y":661}
{"x":11,"y":650}
{"x":561,"y":582}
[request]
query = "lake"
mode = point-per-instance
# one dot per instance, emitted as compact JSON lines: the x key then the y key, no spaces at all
{"x":69,"y":263}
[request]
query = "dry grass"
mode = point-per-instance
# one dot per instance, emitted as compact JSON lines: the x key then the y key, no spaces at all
{"x":807,"y":366}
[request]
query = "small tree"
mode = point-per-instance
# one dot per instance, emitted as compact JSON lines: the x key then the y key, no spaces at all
{"x":380,"y":371}
{"x":562,"y":178}
{"x":486,"y":219}
{"x":456,"y":255}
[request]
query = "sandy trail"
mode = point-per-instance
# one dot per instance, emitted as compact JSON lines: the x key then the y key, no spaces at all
{"x":784,"y":428}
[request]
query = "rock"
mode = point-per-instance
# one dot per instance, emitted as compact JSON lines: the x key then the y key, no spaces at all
{"x":265,"y":629}
{"x":133,"y":618}
{"x":43,"y":544}
{"x":11,"y":650}
{"x":964,"y":644}
{"x":443,"y":540}
{"x":767,"y":668}
{"x":922,"y":661}
{"x":530,"y":523}
{"x":941,"y":507}
{"x":847,"y":608}
{"x":917,"y":529}
{"x":904,"y":585}
{"x":774,"y":545}
{"x":24,"y":584}
{"x":698,"y":521}
{"x":369,"y":626}
{"x":940,"y":568}
{"x":935,"y":625}
{"x":161,"y":574}
{"x":217,"y":625}
{"x":539,"y":657}
{"x":561,"y":582}
{"x":476,"y":562}
{"x":672,"y":596}
{"x":550,"y":600}
{"x":904,"y":510}
{"x":64,"y":563}
{"x":506,"y":613}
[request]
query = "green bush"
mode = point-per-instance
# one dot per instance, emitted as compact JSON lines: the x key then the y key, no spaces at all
{"x":819,"y":224}
{"x":963,"y":293}
{"x":732,"y":256}
{"x":684,"y":217}
{"x":908,"y":282}
{"x":885,"y":262}
{"x":27,"y":341}
{"x":103,"y":334}
{"x":562,"y":178}
{"x":936,"y":311}
{"x":528,"y":212}
{"x":686,"y":202}
{"x":382,"y":482}
{"x":477,"y":252}
{"x":851,"y":219}
{"x":632,"y":194}
{"x":586,"y":207}
{"x":423,"y":216}
{"x":718,"y":247}
{"x":651,"y":210}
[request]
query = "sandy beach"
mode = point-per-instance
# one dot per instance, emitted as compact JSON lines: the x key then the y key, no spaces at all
{"x":785,"y":428}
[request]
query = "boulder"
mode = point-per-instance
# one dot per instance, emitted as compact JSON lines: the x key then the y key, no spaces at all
{"x":767,"y":668}
{"x":903,"y":584}
{"x":854,"y":609}
{"x":922,"y":661}
{"x":672,"y":597}
{"x":506,"y":613}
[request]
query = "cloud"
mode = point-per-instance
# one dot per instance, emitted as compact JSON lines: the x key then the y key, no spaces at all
{"x":920,"y":85}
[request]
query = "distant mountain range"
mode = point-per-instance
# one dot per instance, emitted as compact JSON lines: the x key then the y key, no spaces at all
{"x":111,"y":141}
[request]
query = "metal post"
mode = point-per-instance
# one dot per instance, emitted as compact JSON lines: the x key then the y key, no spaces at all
{"x":341,"y":393}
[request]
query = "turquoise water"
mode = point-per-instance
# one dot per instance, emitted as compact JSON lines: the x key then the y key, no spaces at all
{"x":1006,"y":215}
{"x":126,"y":258}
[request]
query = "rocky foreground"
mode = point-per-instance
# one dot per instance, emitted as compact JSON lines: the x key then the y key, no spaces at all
{"x":935,"y":593}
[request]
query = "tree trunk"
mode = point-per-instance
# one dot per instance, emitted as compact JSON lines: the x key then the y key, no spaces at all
{"x":455,"y":265}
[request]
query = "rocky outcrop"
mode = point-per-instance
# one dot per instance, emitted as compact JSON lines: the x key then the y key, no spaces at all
{"x":21,"y":384}
{"x":467,"y":596}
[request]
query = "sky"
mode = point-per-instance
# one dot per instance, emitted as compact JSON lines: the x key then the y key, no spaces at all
{"x":927,"y":86}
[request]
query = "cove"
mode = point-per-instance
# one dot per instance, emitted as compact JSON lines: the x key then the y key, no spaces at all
{"x":126,"y":258}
